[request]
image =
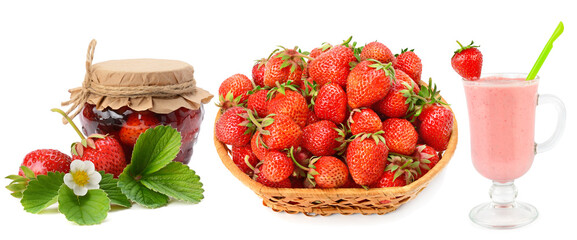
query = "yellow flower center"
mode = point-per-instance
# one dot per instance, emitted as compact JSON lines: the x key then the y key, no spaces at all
{"x":80,"y":178}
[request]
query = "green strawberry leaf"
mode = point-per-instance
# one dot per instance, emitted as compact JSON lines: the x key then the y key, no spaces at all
{"x":177,"y":181}
{"x":42,"y":192}
{"x":89,"y":209}
{"x":110,"y":186}
{"x":154,"y":149}
{"x":137,"y":192}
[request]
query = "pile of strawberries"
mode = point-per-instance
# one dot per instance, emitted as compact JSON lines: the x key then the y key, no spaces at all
{"x":340,"y":116}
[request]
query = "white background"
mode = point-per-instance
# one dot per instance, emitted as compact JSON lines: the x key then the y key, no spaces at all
{"x":42,"y":52}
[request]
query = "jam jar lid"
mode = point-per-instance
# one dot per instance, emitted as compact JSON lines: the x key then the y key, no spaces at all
{"x":159,"y":85}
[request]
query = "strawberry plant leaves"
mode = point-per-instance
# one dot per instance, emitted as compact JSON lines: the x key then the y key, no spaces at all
{"x":177,"y":181}
{"x":137,"y":192}
{"x":154,"y":149}
{"x":110,"y":186}
{"x":89,"y":209}
{"x":42,"y":192}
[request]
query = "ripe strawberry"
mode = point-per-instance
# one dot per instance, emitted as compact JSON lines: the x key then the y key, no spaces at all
{"x":409,"y":63}
{"x":244,"y":158}
{"x":258,"y":102}
{"x":400,"y":136}
{"x":320,"y":138}
{"x":468,"y":61}
{"x":258,"y":72}
{"x":328,"y":172}
{"x":378,"y":51}
{"x":368,"y":83}
{"x":257,"y":146}
{"x":233,"y":127}
{"x":277,"y":166}
{"x":288,"y":102}
{"x":364,"y":120}
{"x":331,"y":103}
{"x":332,"y":66}
{"x":394,"y":104}
{"x":42,"y":161}
{"x":388,"y":179}
{"x":233,"y":91}
{"x":367,"y":158}
{"x":136,"y":124}
{"x":285,"y":65}
{"x":281,"y":132}
{"x":258,"y":177}
{"x":427,"y":157}
{"x":103,"y":150}
{"x":320,"y":50}
{"x":436,"y":125}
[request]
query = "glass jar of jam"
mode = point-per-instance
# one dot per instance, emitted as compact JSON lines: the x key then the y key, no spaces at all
{"x":124,"y":98}
{"x":125,"y":124}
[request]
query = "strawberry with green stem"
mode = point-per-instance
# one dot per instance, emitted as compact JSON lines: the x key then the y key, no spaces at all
{"x":368,"y":83}
{"x":287,"y":100}
{"x":284,"y":65}
{"x":324,"y":171}
{"x":410,"y":63}
{"x":234,"y":127}
{"x":103,"y":150}
{"x":334,"y":65}
{"x":233,"y":91}
{"x":366,"y":157}
{"x":467,"y":61}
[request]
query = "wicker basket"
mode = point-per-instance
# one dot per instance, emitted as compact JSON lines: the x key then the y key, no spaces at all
{"x":314,"y":202}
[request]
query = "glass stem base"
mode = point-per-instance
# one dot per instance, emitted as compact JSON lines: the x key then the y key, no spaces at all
{"x":503,"y":211}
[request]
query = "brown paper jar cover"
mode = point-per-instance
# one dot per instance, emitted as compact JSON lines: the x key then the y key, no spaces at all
{"x":125,"y":82}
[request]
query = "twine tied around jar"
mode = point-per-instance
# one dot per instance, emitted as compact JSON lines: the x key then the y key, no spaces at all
{"x":93,"y":88}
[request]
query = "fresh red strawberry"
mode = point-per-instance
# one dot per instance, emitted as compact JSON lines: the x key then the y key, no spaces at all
{"x":331,"y":103}
{"x":233,"y":127}
{"x":320,"y":138}
{"x":394,"y":104}
{"x":281,"y":132}
{"x":258,"y":177}
{"x":332,"y":66}
{"x":400,"y":136}
{"x":42,"y":161}
{"x":409,"y":63}
{"x":257,"y":146}
{"x":436,"y":125}
{"x":468,"y":61}
{"x":320,"y":50}
{"x":285,"y":65}
{"x":136,"y":124}
{"x":368,"y":83}
{"x":367,"y":158}
{"x":427,"y":156}
{"x":388,"y":179}
{"x":258,"y":102}
{"x":277,"y":166}
{"x":103,"y":150}
{"x":244,"y":158}
{"x":233,"y":91}
{"x":378,"y":51}
{"x":312,"y":118}
{"x":328,"y":172}
{"x":289,"y":102}
{"x":258,"y":72}
{"x":364,"y":120}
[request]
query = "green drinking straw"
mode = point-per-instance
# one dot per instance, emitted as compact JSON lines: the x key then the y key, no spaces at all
{"x":545,"y":52}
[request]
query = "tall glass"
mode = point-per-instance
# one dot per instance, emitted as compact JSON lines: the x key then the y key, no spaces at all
{"x":502,"y":126}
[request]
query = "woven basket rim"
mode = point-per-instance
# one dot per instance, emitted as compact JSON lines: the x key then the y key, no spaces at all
{"x":261,"y":189}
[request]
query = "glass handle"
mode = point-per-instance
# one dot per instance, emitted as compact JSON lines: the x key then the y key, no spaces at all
{"x":561,"y":115}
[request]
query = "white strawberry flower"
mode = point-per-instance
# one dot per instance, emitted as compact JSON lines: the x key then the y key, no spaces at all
{"x":82,"y":177}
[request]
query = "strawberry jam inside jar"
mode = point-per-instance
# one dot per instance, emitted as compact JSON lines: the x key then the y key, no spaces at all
{"x":126,"y":125}
{"x":124,"y":98}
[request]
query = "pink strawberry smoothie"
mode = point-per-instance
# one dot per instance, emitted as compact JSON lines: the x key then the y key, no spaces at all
{"x":502,"y":125}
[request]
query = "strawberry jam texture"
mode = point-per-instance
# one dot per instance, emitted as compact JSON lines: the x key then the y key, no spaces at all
{"x":126,"y":125}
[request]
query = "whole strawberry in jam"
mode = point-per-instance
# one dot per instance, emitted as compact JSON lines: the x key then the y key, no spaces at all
{"x":136,"y":124}
{"x":42,"y":161}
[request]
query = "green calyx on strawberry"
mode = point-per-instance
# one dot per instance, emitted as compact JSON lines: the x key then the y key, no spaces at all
{"x":404,"y":166}
{"x":467,"y":61}
{"x":324,"y":171}
{"x":103,"y":150}
{"x":428,"y":95}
